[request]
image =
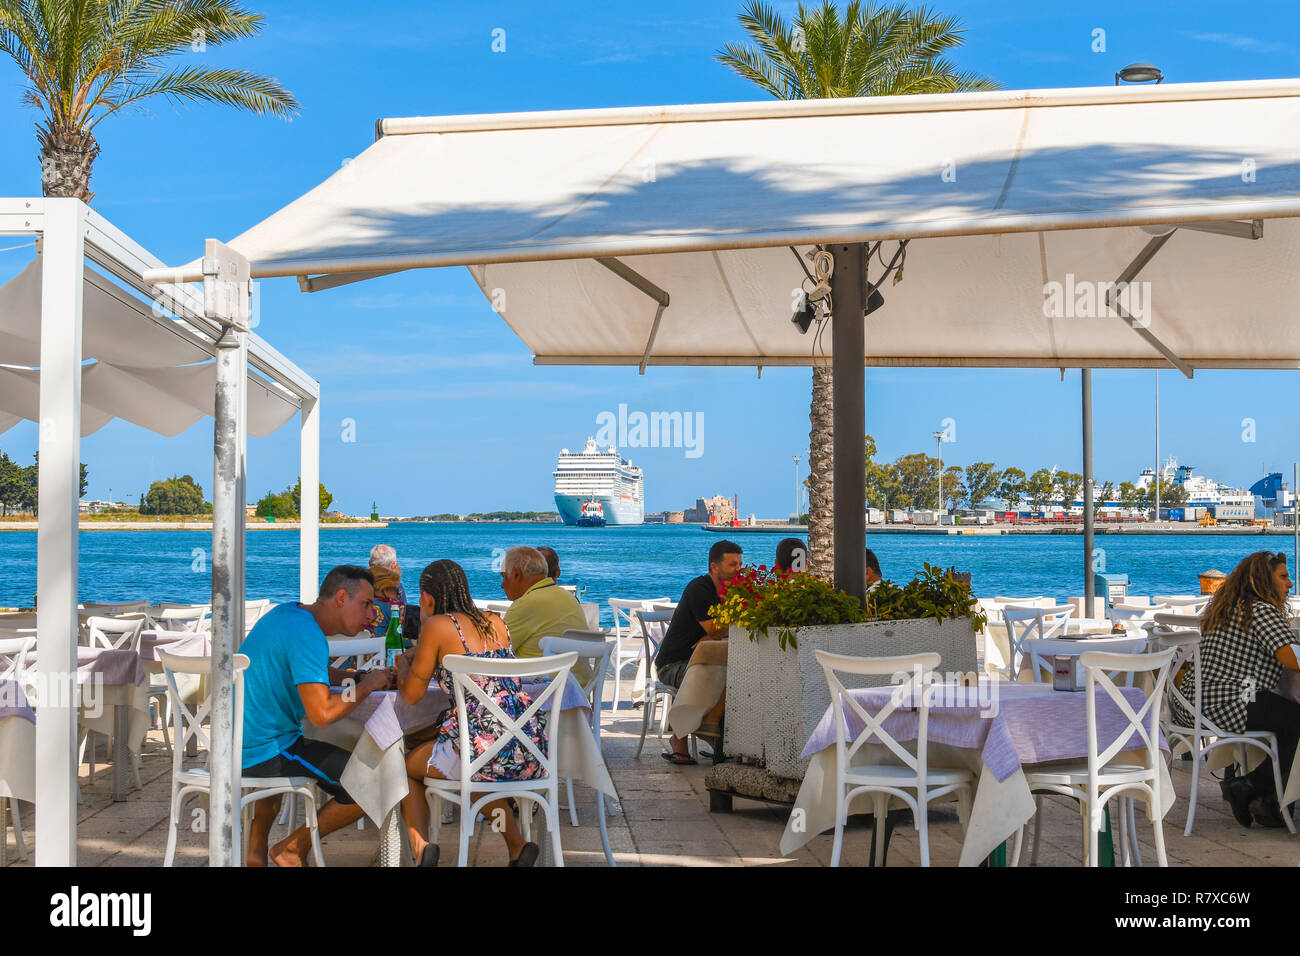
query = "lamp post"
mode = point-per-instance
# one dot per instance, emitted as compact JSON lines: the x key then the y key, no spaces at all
{"x":1146,"y":73}
{"x":796,"y":489}
{"x":938,"y":445}
{"x":1139,"y":73}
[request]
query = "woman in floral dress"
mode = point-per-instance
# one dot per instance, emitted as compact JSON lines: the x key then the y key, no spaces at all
{"x":451,"y":624}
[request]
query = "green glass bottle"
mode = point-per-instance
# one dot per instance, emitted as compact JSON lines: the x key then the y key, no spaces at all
{"x":393,"y":643}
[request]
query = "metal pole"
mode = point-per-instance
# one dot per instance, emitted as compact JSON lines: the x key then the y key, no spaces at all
{"x":309,"y":510}
{"x":848,"y":344}
{"x":796,"y":488}
{"x":226,"y":289}
{"x":1295,"y":527}
{"x":1089,"y":590}
{"x":1156,"y":516}
{"x":62,"y":271}
{"x":938,"y":450}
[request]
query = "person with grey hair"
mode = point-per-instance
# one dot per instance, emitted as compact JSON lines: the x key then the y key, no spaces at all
{"x":383,"y":564}
{"x":540,"y":608}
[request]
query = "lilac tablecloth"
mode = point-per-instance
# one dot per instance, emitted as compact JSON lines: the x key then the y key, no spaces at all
{"x":1027,"y":723}
{"x":186,"y":643}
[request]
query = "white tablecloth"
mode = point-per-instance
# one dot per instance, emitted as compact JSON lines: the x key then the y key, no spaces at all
{"x":1031,"y":727}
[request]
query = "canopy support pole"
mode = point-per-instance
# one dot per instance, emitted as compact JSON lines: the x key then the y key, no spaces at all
{"x":1089,"y":585}
{"x":848,"y":395}
{"x":226,"y":291}
{"x":309,"y":504}
{"x":636,"y":279}
{"x":62,"y":276}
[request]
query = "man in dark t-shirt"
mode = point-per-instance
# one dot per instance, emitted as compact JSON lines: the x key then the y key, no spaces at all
{"x":691,"y":624}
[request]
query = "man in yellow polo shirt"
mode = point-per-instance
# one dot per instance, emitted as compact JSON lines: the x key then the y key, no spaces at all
{"x":541,"y":608}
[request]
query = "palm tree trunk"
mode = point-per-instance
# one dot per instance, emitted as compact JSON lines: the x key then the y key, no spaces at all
{"x":67,"y":158}
{"x":821,"y":455}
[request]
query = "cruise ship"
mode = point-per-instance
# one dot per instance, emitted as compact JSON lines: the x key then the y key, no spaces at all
{"x":599,"y":476}
{"x":1202,"y":492}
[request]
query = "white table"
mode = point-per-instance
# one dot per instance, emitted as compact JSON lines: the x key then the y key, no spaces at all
{"x":995,"y":731}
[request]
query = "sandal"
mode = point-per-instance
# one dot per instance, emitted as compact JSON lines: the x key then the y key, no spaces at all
{"x":682,"y":760}
{"x":527,"y":856}
{"x":429,"y":855}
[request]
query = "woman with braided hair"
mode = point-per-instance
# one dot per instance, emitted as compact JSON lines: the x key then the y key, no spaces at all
{"x":1246,"y":645}
{"x":451,"y":624}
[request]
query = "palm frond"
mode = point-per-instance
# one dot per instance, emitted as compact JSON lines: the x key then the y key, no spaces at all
{"x":251,"y":91}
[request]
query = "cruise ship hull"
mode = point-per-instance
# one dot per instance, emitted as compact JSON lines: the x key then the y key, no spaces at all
{"x":618,"y":511}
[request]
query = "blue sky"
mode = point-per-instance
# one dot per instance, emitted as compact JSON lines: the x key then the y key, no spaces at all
{"x":450,"y":413}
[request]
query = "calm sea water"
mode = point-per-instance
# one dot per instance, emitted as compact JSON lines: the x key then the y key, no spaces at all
{"x":638,"y":562}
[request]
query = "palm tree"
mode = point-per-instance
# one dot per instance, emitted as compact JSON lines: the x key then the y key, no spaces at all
{"x":871,"y":51}
{"x":87,"y":59}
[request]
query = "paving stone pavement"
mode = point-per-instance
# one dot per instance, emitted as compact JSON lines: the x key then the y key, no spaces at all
{"x":663,"y":820}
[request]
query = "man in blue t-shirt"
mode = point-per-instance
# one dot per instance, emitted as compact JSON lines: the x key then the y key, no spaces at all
{"x":289,"y":678}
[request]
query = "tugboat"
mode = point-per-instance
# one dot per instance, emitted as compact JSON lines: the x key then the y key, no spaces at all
{"x":592,"y":514}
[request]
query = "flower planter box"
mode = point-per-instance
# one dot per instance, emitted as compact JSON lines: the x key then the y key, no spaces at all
{"x":776,"y":698}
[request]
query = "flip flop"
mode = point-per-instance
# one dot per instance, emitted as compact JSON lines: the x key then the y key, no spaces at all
{"x":679,"y":759}
{"x":429,"y":855}
{"x":527,"y":856}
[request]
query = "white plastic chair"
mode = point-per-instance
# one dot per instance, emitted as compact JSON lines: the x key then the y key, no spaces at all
{"x":592,"y":613}
{"x":628,"y":647}
{"x":116,"y":633}
{"x":198,"y":780}
{"x":1203,"y":735}
{"x":915,"y":782}
{"x":1025,"y":624}
{"x":192,"y":618}
{"x":1184,"y":603}
{"x":367,"y":651}
{"x":14,"y":648}
{"x":653,"y":625}
{"x":1113,"y":772}
{"x":594,"y":650}
{"x":253,"y":612}
{"x":471,"y":795}
{"x":15,"y":645}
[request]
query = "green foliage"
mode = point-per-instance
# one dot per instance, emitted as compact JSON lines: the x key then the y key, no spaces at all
{"x":287,"y":505}
{"x":20,"y":486}
{"x":982,"y":481}
{"x":759,"y":599}
{"x":174,"y":496}
{"x":1012,"y":487}
{"x":85,"y":59}
{"x":934,"y":594}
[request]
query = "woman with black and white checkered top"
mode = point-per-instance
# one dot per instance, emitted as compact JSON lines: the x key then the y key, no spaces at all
{"x":1246,"y":645}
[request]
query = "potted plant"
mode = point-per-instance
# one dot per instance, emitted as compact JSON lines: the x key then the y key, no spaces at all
{"x":776,"y":690}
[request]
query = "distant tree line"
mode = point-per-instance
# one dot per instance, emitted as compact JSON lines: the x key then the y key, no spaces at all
{"x":19,"y":485}
{"x":912,"y":481}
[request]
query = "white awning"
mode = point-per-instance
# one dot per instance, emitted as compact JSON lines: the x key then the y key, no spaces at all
{"x":152,"y":371}
{"x":1001,"y":193}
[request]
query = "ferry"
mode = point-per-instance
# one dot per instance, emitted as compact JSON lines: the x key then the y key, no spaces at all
{"x":605,"y":479}
{"x":1202,"y":492}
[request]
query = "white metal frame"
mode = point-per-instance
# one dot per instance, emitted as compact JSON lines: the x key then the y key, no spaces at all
{"x":1026,"y":624}
{"x":69,"y":233}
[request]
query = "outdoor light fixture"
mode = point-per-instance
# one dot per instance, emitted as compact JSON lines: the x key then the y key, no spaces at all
{"x":823,"y":265}
{"x":1139,"y":73}
{"x":805,"y":315}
